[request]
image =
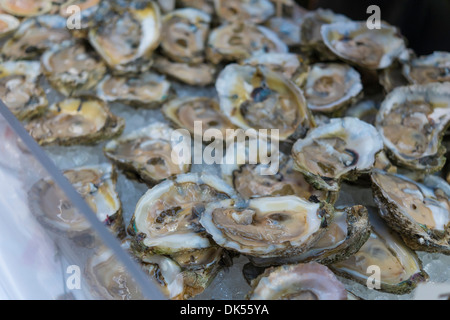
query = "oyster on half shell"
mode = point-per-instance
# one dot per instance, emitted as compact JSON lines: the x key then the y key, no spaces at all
{"x":266,"y":227}
{"x":420,"y":213}
{"x":8,"y":24}
{"x":401,"y":269}
{"x":412,"y":121}
{"x":76,"y":121}
{"x":146,"y":154}
{"x":26,"y":8}
{"x":255,"y":11}
{"x":341,"y":150}
{"x":427,"y":69}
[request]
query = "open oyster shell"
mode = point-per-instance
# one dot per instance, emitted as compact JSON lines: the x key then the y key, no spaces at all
{"x":204,"y":5}
{"x":35,"y":36}
{"x":427,"y":69}
{"x":370,"y":49}
{"x":419,"y":213}
{"x":412,"y":121}
{"x":73,"y":68}
{"x":185,"y":34}
{"x":166,"y":219}
{"x":97,"y":185}
{"x":127,"y":34}
{"x":184,"y":112}
{"x":244,"y":10}
{"x":401,"y":269}
{"x":268,"y":226}
{"x":310,"y":281}
{"x":255,"y":97}
{"x":341,"y":150}
{"x":330,"y":87}
{"x":147,"y":90}
{"x":238,"y":41}
{"x":345,"y":236}
{"x":76,"y":121}
{"x":19,"y":88}
{"x":146,"y":154}
{"x":8,"y":24}
{"x":88,"y":9}
{"x":202,"y":74}
{"x":26,"y":8}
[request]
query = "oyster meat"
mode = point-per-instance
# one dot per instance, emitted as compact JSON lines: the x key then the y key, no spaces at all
{"x":255,"y":11}
{"x":238,"y":41}
{"x":73,"y":68}
{"x":330,"y":87}
{"x":412,"y":121}
{"x":184,"y":112}
{"x":19,"y":88}
{"x":97,"y":185}
{"x":146,"y":154}
{"x":341,"y":150}
{"x":147,"y":90}
{"x":76,"y":121}
{"x":419,"y":213}
{"x":255,"y":97}
{"x":186,"y":31}
{"x":310,"y":281}
{"x":370,"y":49}
{"x":400,"y":268}
{"x":166,"y":219}
{"x":427,"y":69}
{"x":127,"y":34}
{"x":268,"y":226}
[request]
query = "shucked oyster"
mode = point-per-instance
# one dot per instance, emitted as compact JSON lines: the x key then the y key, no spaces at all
{"x":400,"y":268}
{"x":97,"y":185}
{"x":310,"y":281}
{"x":26,"y":8}
{"x":202,"y":74}
{"x":19,"y":88}
{"x":87,"y":8}
{"x":34,"y":36}
{"x":148,"y":90}
{"x":73,"y":68}
{"x":343,"y":149}
{"x":244,"y":10}
{"x":267,"y":227}
{"x":345,"y":236}
{"x":420,"y":213}
{"x":412,"y":121}
{"x":166,"y":219}
{"x":432,"y":68}
{"x":8,"y":24}
{"x":238,"y":41}
{"x":184,"y":112}
{"x":370,"y":49}
{"x":185,"y":34}
{"x":255,"y":97}
{"x":83,"y":120}
{"x":127,"y":34}
{"x":331,"y":86}
{"x":204,"y":5}
{"x":146,"y":154}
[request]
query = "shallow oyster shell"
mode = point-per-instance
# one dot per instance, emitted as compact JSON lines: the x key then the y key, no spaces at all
{"x":310,"y":281}
{"x":268,"y":226}
{"x":26,"y":8}
{"x":76,"y":121}
{"x":19,"y":88}
{"x":401,"y":269}
{"x":255,"y":11}
{"x":412,"y":121}
{"x":146,"y":154}
{"x":147,"y":90}
{"x":238,"y":41}
{"x":419,"y":213}
{"x":427,"y":69}
{"x":341,"y":150}
{"x":255,"y":97}
{"x":8,"y":24}
{"x":370,"y":49}
{"x":330,"y":87}
{"x":73,"y":68}
{"x":166,"y":219}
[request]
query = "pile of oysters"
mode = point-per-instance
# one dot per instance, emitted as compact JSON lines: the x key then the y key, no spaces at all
{"x":352,"y":106}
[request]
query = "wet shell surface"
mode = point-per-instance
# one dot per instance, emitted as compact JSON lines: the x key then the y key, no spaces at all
{"x":256,"y":11}
{"x":427,"y":69}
